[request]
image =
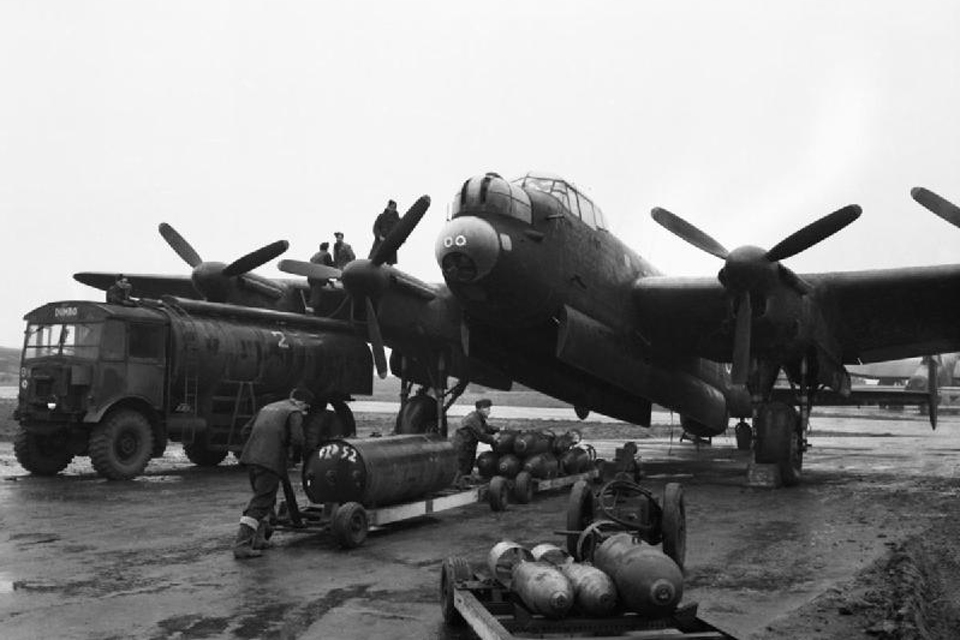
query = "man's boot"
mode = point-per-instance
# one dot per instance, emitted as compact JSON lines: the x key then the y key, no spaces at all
{"x":243,"y":546}
{"x":262,"y":539}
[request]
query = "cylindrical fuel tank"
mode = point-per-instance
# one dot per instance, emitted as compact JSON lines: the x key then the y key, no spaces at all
{"x":648,"y":581}
{"x":274,"y":357}
{"x":379,"y":471}
{"x":487,"y":464}
{"x":530,"y":443}
{"x":542,"y":465}
{"x":509,"y":466}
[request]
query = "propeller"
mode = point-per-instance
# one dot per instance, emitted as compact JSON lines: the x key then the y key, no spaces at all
{"x":365,"y":279}
{"x":751,"y":270}
{"x":938,"y":205}
{"x":210,"y":278}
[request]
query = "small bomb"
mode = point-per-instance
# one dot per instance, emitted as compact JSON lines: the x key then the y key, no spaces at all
{"x":594,"y":591}
{"x":541,"y":586}
{"x":648,"y":581}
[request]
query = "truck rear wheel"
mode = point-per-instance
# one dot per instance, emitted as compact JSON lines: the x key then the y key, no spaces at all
{"x":42,"y":455}
{"x":121,"y":445}
{"x":203,"y":456}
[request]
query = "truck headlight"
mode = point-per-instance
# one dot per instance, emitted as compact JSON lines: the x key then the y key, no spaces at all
{"x":52,"y":404}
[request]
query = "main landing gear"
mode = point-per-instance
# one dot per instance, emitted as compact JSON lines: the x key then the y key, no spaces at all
{"x":426,"y":410}
{"x":776,"y":438}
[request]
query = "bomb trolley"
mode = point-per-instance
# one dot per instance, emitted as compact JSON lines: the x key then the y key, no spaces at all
{"x":493,"y":612}
{"x":355,"y":485}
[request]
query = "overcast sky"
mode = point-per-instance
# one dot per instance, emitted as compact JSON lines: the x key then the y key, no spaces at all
{"x":241,"y":123}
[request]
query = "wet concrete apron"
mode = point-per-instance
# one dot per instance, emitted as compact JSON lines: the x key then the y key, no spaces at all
{"x":150,"y":558}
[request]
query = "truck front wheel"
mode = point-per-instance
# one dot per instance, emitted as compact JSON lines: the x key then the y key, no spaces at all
{"x":121,"y":445}
{"x":42,"y":455}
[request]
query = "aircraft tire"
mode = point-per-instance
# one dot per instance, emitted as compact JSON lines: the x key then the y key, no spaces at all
{"x":418,"y":415}
{"x":199,"y":454}
{"x":348,"y":424}
{"x":121,"y":445}
{"x":673,"y":525}
{"x":41,"y":455}
{"x":778,"y":440}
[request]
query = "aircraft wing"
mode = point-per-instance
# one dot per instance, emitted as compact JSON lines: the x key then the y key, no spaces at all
{"x":872,"y":315}
{"x":861,"y":395}
{"x":144,"y":285}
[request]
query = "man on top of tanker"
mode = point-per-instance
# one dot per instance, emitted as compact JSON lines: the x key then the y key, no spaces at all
{"x":276,"y":428}
{"x":473,"y":429}
{"x":119,"y":292}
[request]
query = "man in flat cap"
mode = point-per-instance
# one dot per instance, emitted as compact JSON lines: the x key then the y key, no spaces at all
{"x":473,"y":429}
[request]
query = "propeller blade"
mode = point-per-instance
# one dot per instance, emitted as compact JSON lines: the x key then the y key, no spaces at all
{"x":814,"y":232}
{"x":376,"y":340}
{"x":309,"y":269}
{"x":255,"y":258}
{"x":180,"y":245}
{"x":683,"y":229}
{"x":938,"y":205}
{"x":400,"y":232}
{"x":741,"y":341}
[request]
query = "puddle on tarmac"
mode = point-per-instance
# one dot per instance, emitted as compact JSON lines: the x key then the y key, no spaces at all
{"x":160,"y":479}
{"x":7,"y":585}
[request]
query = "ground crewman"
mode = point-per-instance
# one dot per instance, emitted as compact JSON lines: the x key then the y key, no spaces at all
{"x":276,"y":427}
{"x":473,"y":429}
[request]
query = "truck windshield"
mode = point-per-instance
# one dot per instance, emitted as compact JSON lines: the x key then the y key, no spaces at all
{"x":77,"y":340}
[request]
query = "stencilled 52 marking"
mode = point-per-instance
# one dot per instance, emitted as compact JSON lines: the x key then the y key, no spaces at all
{"x":337,"y":451}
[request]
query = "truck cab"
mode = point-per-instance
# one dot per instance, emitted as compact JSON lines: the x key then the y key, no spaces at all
{"x":91,"y":383}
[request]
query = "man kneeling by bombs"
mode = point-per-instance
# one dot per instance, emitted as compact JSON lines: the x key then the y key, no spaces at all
{"x":276,"y":428}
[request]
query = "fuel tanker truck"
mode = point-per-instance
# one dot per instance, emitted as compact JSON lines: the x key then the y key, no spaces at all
{"x":116,"y":382}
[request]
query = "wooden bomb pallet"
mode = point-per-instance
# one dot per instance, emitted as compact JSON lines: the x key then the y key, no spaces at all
{"x":495,"y":613}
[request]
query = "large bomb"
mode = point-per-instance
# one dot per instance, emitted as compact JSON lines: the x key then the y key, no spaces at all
{"x":577,"y":460}
{"x":509,"y":466}
{"x":564,"y":442}
{"x":487,"y":463}
{"x":594,"y":591}
{"x":379,"y":471}
{"x":648,"y":581}
{"x":504,"y":443}
{"x":530,"y":443}
{"x":540,"y":585}
{"x":542,"y":466}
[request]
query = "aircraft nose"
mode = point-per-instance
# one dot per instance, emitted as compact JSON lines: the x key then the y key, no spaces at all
{"x":467,"y":249}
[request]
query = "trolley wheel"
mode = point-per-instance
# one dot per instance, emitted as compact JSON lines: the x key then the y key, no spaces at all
{"x":673,"y":525}
{"x":498,"y":493}
{"x":453,"y":570}
{"x":523,"y":487}
{"x":350,"y":525}
{"x":580,"y":510}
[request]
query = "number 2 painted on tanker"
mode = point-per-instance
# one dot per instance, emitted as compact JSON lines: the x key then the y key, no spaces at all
{"x":281,"y":339}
